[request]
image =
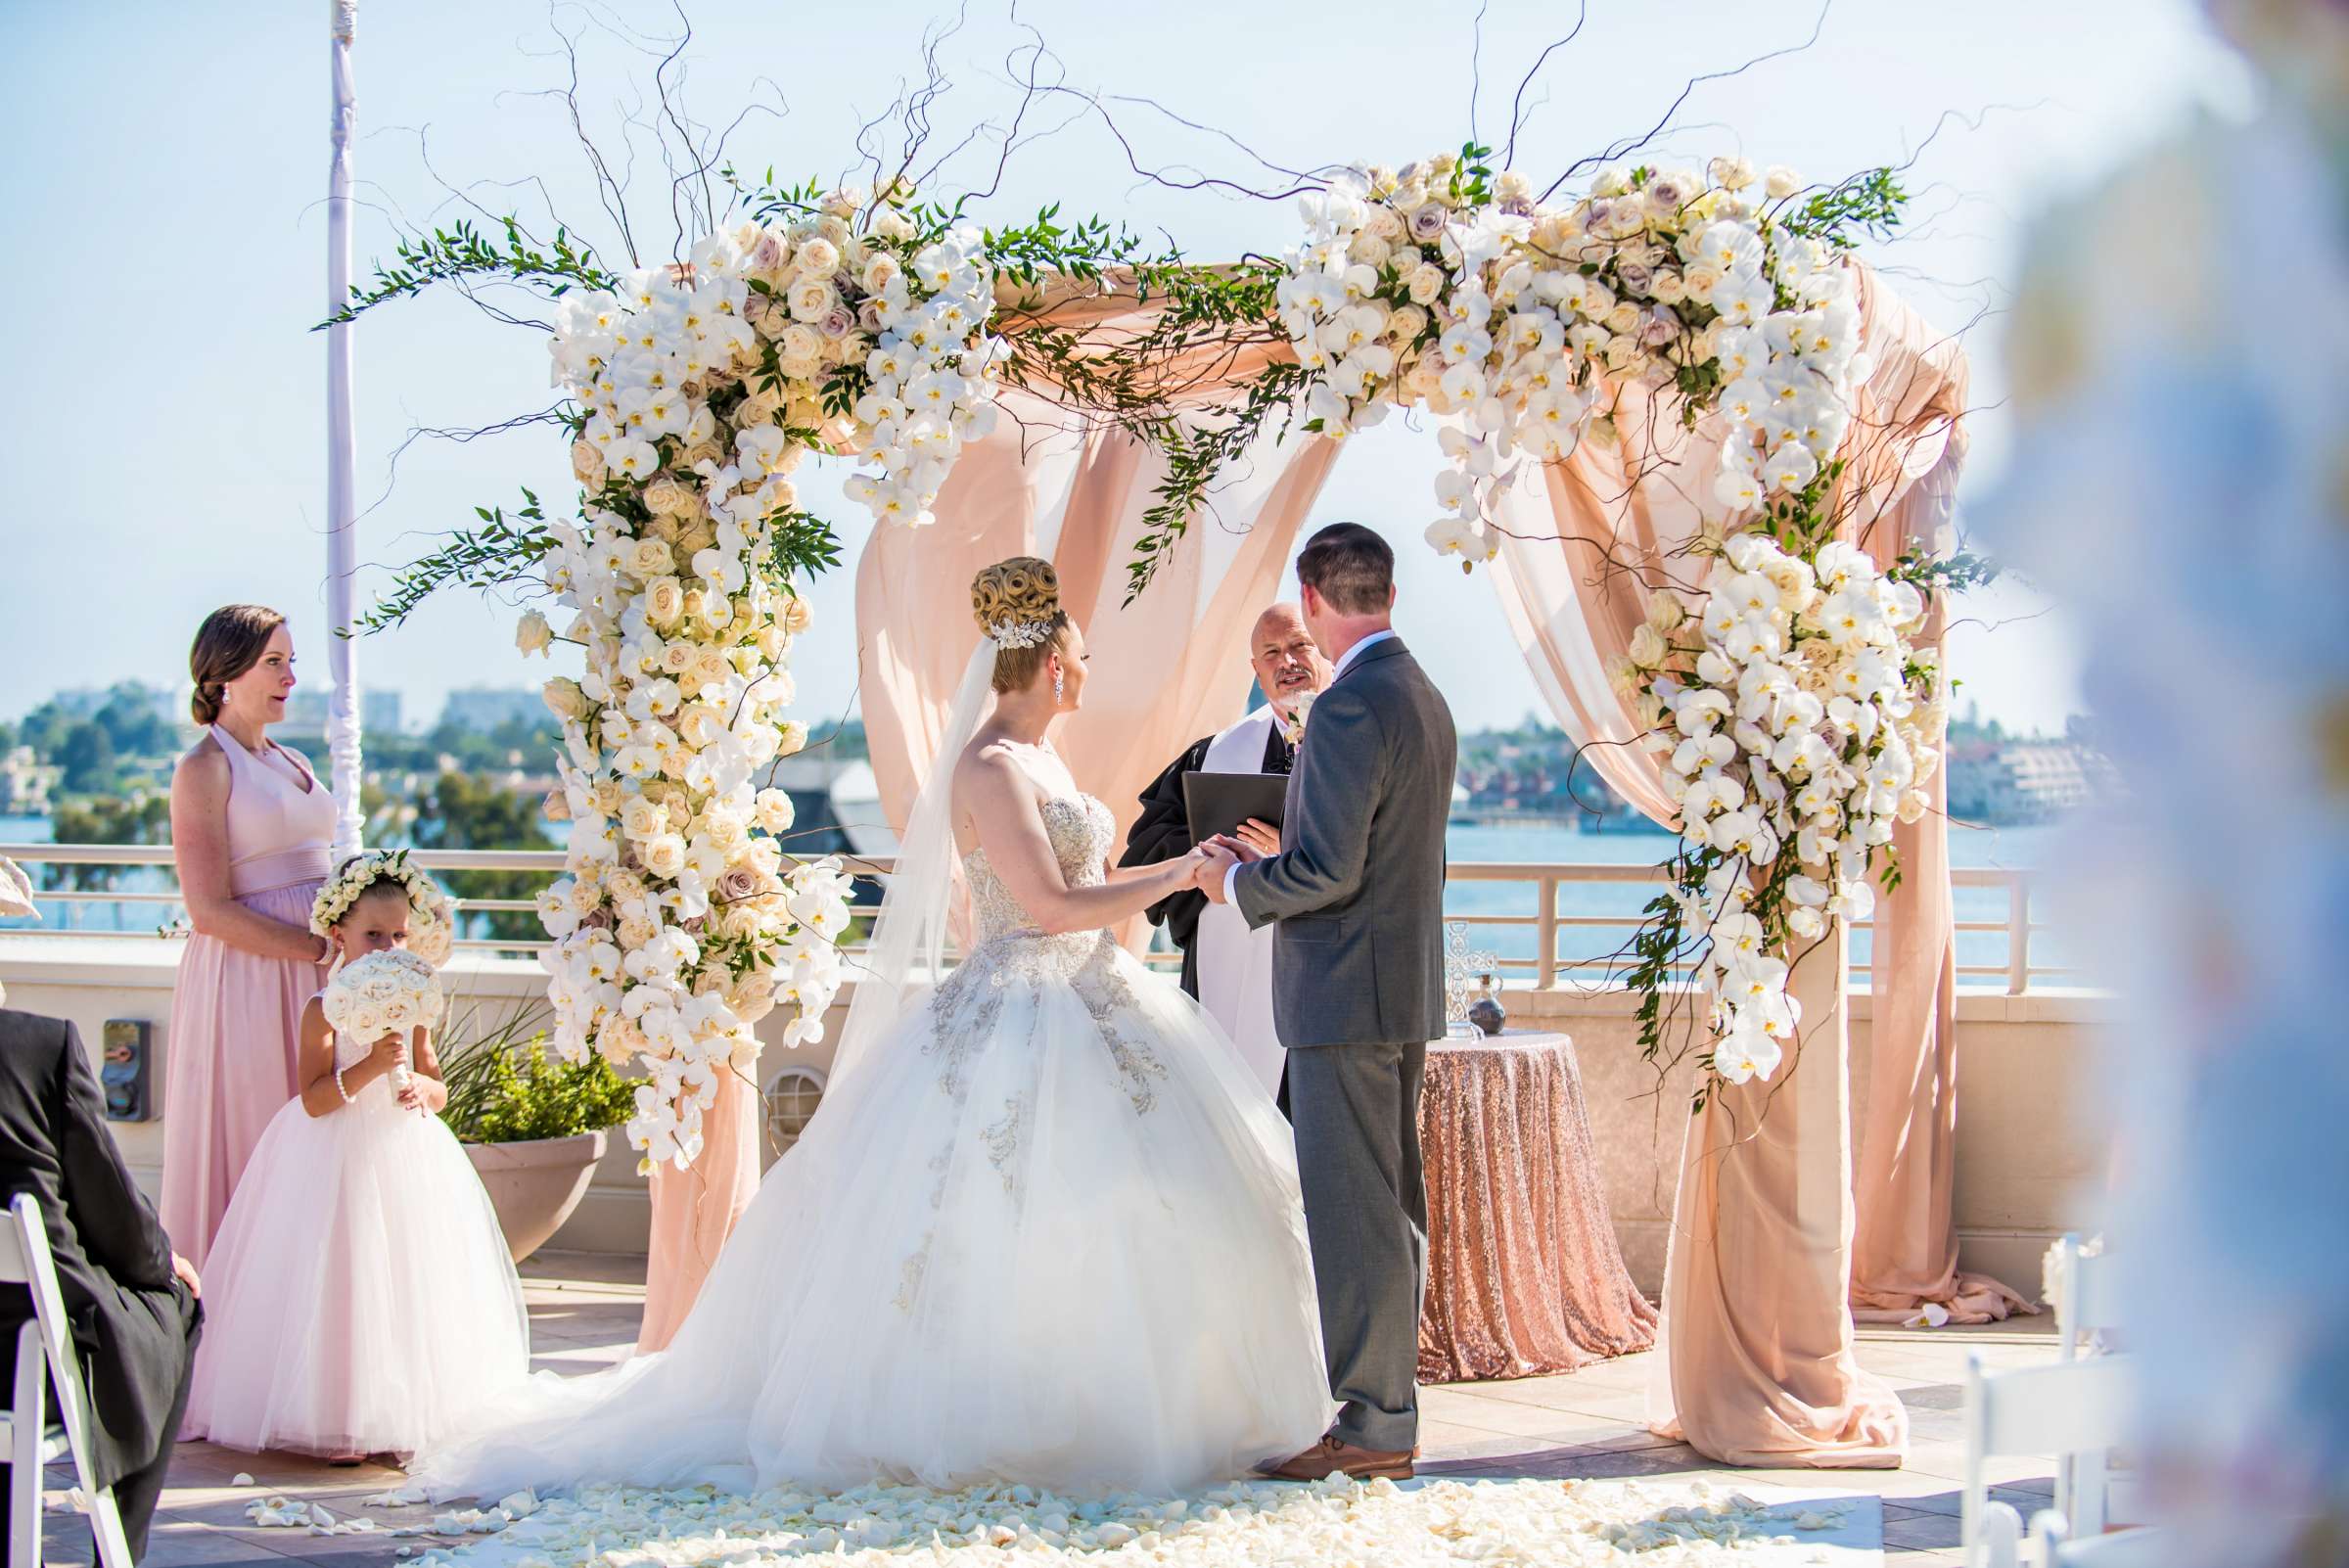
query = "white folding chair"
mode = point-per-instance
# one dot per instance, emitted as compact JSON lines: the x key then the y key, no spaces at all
{"x":2059,"y":1409}
{"x":2090,"y":1494}
{"x":2052,"y":1546}
{"x":1999,"y":1540}
{"x":45,"y":1350}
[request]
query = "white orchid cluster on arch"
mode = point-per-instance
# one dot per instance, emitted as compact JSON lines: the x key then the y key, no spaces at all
{"x":1793,"y":717}
{"x":1437,"y":285}
{"x":1787,"y":699}
{"x":834,"y":324}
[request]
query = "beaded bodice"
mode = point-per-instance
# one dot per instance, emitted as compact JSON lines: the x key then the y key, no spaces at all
{"x":1081,"y":831}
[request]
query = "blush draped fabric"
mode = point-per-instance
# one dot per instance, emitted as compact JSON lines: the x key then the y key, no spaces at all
{"x":1757,"y":1366}
{"x":694,"y":1210}
{"x":1167,"y":668}
{"x":1905,"y":1246}
{"x":1607,"y":525}
{"x":1524,"y":1273}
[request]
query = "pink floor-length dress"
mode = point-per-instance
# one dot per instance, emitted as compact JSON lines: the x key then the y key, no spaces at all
{"x":236,"y":1016}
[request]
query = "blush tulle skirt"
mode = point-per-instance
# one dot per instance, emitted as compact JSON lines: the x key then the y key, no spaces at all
{"x":359,"y":1298}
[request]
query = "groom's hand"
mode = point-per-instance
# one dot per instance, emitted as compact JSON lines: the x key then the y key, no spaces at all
{"x":1216,"y":862}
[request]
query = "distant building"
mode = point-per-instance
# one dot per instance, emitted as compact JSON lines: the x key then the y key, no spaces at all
{"x":305,"y":709}
{"x":2025,"y":781}
{"x":2057,"y":777}
{"x":83,"y":701}
{"x":26,"y":783}
{"x":483,"y":708}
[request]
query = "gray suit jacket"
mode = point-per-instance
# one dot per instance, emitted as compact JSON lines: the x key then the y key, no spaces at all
{"x":1358,"y":885}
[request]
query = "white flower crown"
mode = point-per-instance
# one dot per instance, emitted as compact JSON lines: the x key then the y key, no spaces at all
{"x":363,"y":871}
{"x":1020,"y":633}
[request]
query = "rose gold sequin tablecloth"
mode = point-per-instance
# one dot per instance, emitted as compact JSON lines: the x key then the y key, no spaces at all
{"x":1524,"y":1276}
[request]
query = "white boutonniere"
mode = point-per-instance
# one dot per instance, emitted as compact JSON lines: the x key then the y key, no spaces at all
{"x":1293,"y":726}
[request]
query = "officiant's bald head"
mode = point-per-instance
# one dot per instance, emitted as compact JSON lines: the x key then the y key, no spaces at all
{"x":1288,"y":663}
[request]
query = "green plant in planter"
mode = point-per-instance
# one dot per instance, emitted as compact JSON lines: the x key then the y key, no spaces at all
{"x":504,"y":1087}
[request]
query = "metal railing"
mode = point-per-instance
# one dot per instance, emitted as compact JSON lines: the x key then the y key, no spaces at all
{"x":1546,"y":967}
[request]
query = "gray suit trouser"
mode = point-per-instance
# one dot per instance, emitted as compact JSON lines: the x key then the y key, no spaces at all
{"x":1356,"y":1109}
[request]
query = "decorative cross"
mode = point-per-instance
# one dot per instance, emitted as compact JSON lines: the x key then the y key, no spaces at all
{"x":1463,"y":969}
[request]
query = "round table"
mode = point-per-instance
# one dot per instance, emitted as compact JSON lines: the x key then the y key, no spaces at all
{"x":1524,"y":1274}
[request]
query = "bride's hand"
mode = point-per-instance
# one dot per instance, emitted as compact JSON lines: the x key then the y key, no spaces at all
{"x":1210,"y":863}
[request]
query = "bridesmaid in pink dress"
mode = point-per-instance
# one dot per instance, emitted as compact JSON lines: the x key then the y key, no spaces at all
{"x":251,"y":830}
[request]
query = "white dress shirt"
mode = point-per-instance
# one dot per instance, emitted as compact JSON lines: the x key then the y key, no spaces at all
{"x":1231,"y":876}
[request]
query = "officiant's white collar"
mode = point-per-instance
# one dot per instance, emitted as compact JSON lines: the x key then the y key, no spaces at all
{"x":1356,"y":652}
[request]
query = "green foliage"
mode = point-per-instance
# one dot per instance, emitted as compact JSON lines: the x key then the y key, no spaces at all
{"x":503,"y":1087}
{"x":104,"y":819}
{"x":108,"y":743}
{"x":1866,"y":204}
{"x":804,"y":543}
{"x":495,"y":555}
{"x":1967,"y":569}
{"x":460,"y":256}
{"x":468,"y":811}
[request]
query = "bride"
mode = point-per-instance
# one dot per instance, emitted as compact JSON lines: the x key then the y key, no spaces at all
{"x":1045,"y":1227}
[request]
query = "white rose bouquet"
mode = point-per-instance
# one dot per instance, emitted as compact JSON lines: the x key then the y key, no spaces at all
{"x":395,"y":992}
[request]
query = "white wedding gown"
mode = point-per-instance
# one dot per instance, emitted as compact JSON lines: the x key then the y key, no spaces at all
{"x":1050,"y":1234}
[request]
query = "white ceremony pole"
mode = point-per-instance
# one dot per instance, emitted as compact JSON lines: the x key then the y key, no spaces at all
{"x":342,"y":454}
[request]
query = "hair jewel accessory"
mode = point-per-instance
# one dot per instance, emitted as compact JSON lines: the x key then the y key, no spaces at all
{"x":1020,"y":633}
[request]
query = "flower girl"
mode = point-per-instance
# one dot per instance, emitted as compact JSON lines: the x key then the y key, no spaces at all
{"x":360,"y":1297}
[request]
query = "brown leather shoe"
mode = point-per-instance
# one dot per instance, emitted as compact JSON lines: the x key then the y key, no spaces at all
{"x":1333,"y":1454}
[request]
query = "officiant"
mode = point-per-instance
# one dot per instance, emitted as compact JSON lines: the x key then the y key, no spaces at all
{"x":1226,"y":966}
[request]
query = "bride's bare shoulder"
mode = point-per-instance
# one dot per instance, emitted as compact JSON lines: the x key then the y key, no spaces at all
{"x":989,"y":764}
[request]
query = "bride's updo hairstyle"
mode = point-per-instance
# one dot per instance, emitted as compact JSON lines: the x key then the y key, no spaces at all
{"x":1017,"y":602}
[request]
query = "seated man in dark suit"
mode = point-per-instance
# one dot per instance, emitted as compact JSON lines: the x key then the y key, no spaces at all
{"x":131,"y":1299}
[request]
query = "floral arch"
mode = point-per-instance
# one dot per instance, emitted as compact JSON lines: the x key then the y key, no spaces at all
{"x":1703,"y":451}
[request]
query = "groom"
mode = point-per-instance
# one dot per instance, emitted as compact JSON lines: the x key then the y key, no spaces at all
{"x":1357,"y":988}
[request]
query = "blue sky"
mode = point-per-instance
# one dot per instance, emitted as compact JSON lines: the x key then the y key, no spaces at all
{"x":166,"y":251}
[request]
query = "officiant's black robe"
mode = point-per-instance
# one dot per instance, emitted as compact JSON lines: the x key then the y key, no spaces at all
{"x":135,"y":1323}
{"x":1163,"y":832}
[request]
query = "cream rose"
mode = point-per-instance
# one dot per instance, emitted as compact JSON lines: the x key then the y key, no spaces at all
{"x":775,"y":812}
{"x":790,"y":736}
{"x":666,"y":496}
{"x":812,"y":298}
{"x":640,"y":818}
{"x":663,"y":601}
{"x":1649,"y":647}
{"x":533,"y":635}
{"x":587,"y":462}
{"x":563,"y":698}
{"x":664,"y":855}
{"x":819,"y":258}
{"x":649,"y":558}
{"x":1426,"y":281}
{"x":752,"y":997}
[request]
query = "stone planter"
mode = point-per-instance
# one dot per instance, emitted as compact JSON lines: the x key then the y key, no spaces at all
{"x":535,"y":1185}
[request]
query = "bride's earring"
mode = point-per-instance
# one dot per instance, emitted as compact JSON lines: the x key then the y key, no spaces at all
{"x":1059,"y":684}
